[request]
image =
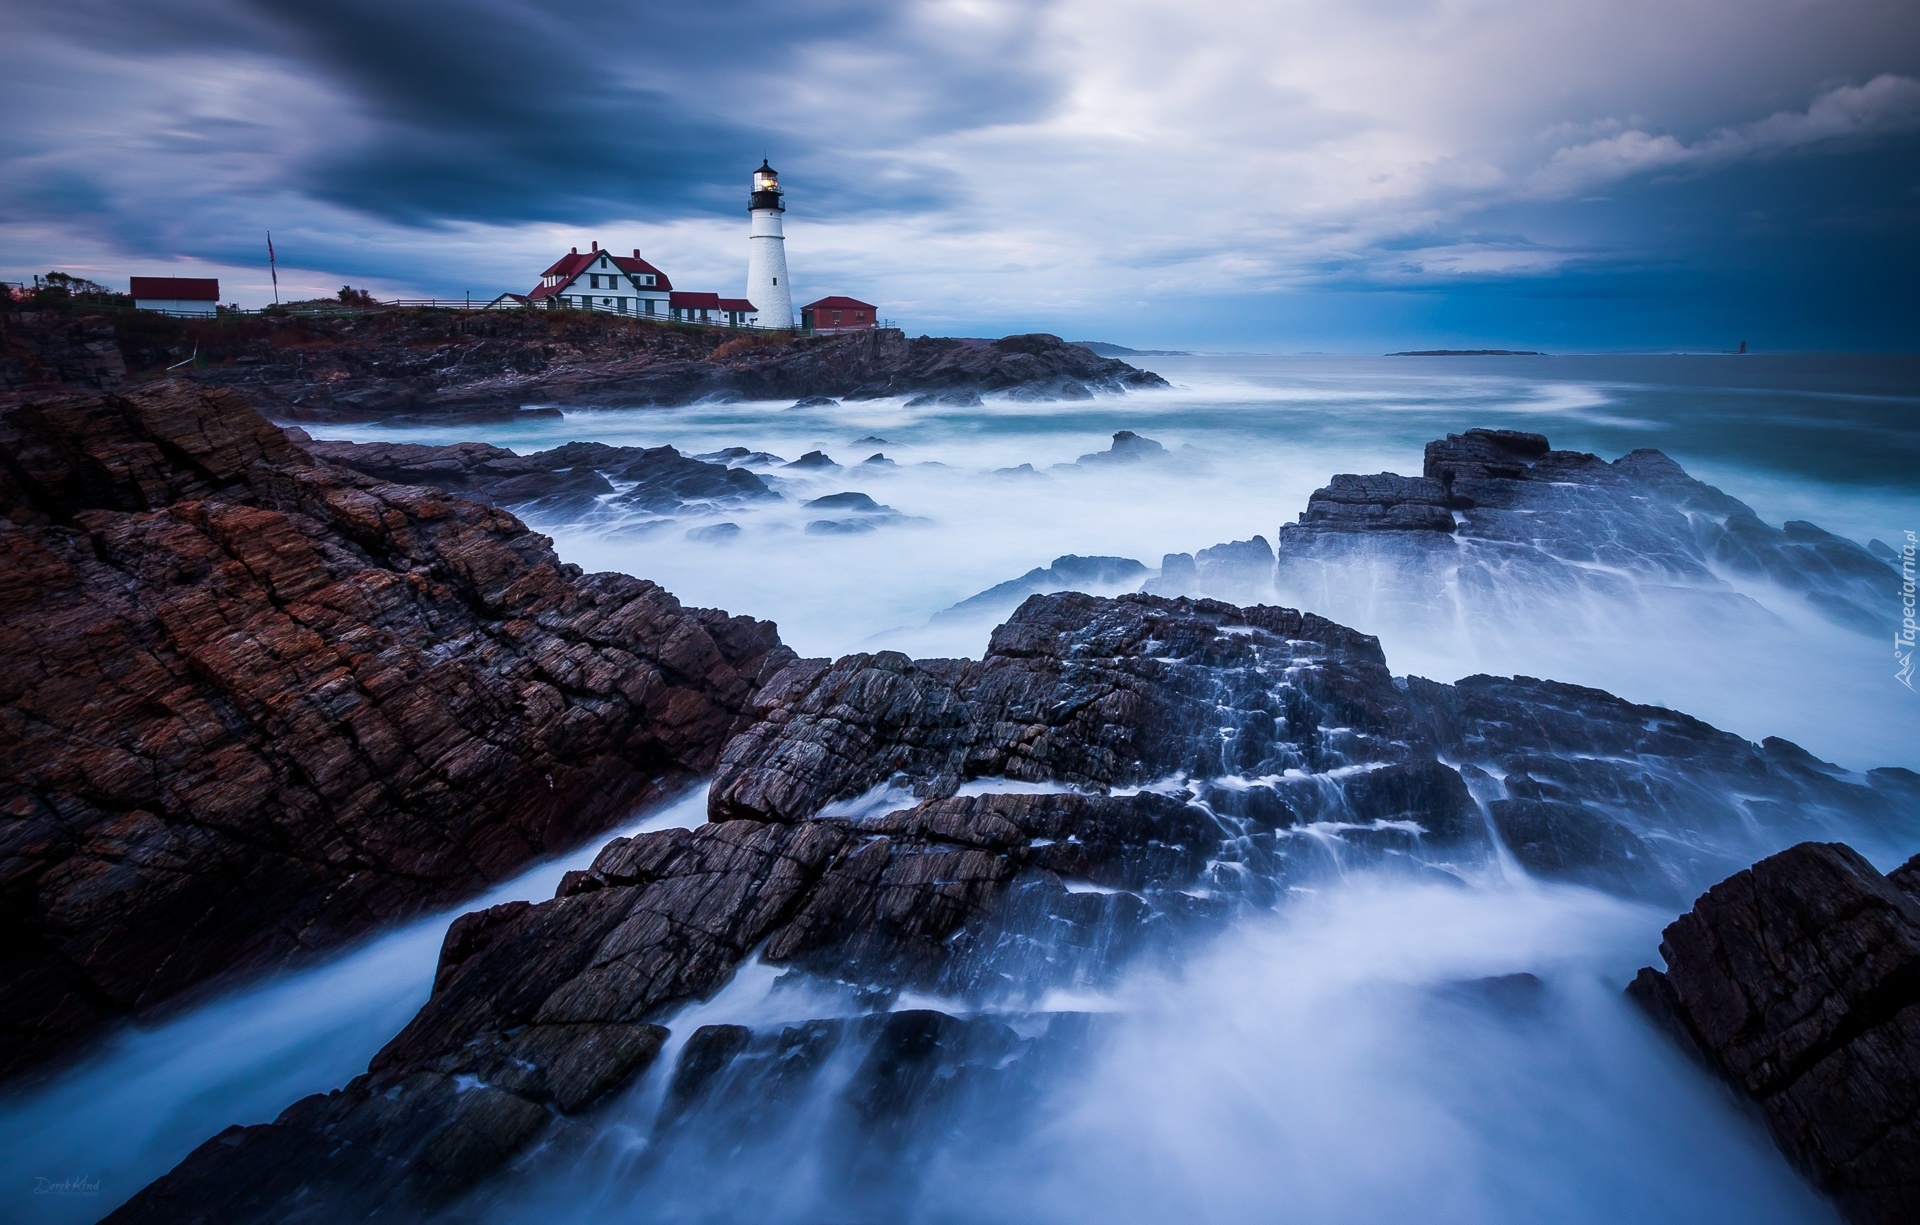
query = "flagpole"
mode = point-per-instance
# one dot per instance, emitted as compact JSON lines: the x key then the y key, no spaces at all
{"x":272,"y":269}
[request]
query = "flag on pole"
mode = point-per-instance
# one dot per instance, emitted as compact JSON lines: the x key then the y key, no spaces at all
{"x":272,"y":269}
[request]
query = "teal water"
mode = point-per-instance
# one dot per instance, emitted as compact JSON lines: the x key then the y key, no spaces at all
{"x":1831,"y":439}
{"x":1302,"y":1069}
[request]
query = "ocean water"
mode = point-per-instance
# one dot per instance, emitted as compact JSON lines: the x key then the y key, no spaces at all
{"x":1320,"y":1063}
{"x":1830,"y":439}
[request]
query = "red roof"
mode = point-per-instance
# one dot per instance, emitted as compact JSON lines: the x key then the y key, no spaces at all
{"x":738,"y":304}
{"x":640,"y":267}
{"x":175,"y":288}
{"x":694,"y":301}
{"x":572,"y":264}
{"x":838,"y":303}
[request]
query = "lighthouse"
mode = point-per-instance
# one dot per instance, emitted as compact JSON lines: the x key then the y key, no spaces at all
{"x":767,"y":286}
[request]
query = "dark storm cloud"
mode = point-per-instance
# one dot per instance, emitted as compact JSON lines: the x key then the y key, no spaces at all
{"x":505,"y":111}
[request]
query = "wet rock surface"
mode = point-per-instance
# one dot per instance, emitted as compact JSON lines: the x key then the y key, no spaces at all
{"x":1095,"y":575}
{"x":255,"y":704}
{"x":885,"y":362}
{"x":452,"y":364}
{"x":1115,"y":779}
{"x":563,"y":480}
{"x":1798,"y":981}
{"x":1494,"y":506}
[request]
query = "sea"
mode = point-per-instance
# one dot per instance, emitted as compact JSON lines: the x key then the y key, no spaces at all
{"x":1310,"y":1065}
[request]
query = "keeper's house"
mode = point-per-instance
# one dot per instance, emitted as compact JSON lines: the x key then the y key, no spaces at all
{"x":839,"y":314}
{"x":176,"y":295}
{"x":627,"y":285}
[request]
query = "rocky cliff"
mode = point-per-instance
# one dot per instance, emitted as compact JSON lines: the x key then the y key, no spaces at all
{"x":252,"y":704}
{"x":1798,"y":982}
{"x":1496,"y":508}
{"x":1113,"y":778}
{"x":403,"y":362}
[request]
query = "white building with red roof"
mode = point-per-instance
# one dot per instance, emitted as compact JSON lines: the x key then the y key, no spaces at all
{"x":176,"y":295}
{"x":627,"y":285}
{"x":602,"y":281}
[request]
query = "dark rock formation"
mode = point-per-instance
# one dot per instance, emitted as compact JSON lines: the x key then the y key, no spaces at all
{"x":1798,"y":981}
{"x":1583,"y":785}
{"x":1128,"y":448}
{"x":563,"y":480}
{"x":645,"y":368}
{"x":1239,"y":571}
{"x":251,"y":704}
{"x":866,"y":513}
{"x":540,"y":1010}
{"x":1095,"y":575}
{"x":1499,"y":509}
{"x":884,"y":362}
{"x":405,"y":362}
{"x":41,"y":351}
{"x":1113,"y":778}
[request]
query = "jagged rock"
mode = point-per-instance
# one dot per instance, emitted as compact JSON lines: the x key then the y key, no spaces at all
{"x":965,"y":398}
{"x":1075,"y":690}
{"x":1380,"y":503}
{"x":1128,"y":448}
{"x":884,"y":362}
{"x":1586,"y":786}
{"x":1798,"y":981}
{"x":44,"y":351}
{"x":1499,"y":509}
{"x":869,"y":514}
{"x":563,"y":480}
{"x":255,"y":705}
{"x":1096,"y":575}
{"x":813,"y":459}
{"x":1113,"y":775}
{"x":399,"y":363}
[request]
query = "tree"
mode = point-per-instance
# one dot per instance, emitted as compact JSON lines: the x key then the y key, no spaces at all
{"x":356,"y":297}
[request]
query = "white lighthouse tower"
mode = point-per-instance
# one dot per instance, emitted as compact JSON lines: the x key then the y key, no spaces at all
{"x":767,"y":286}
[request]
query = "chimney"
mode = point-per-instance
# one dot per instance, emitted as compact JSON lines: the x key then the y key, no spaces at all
{"x":636,"y":253}
{"x":596,"y":244}
{"x":576,"y":250}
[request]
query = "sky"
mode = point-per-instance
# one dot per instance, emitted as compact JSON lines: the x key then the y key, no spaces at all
{"x":1284,"y":176}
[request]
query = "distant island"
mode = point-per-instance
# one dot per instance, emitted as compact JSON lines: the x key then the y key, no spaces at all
{"x":1104,"y":349}
{"x":1465,"y":353}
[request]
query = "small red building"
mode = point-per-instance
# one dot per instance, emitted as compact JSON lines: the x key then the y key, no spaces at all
{"x":839,"y":314}
{"x":176,"y":295}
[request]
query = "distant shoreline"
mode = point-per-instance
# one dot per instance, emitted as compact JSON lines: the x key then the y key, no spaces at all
{"x":1468,"y":353}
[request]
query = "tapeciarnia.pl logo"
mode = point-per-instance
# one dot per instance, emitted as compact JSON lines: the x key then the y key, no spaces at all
{"x":1903,"y":637}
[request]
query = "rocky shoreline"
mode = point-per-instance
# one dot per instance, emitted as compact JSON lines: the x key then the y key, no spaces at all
{"x":264,"y":694}
{"x":886,"y":825}
{"x":256,"y":705}
{"x":1797,"y":981}
{"x":447,"y":364}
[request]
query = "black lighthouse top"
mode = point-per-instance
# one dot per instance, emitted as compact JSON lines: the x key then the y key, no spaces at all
{"x":766,"y":188}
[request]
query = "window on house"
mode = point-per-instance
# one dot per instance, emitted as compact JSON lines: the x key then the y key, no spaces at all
{"x":776,"y":280}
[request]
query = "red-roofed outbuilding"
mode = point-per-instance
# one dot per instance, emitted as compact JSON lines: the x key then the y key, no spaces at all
{"x":837,"y":313}
{"x":177,"y":295}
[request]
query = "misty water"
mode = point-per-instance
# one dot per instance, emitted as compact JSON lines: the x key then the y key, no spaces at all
{"x":1337,"y":1056}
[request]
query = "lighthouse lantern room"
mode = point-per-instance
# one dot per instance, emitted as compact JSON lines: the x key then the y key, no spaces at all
{"x":767,"y":284}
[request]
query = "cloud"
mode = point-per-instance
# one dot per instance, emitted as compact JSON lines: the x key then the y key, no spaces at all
{"x":1888,"y":105}
{"x":973,"y":163}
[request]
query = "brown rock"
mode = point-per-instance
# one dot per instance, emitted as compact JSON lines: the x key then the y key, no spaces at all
{"x":1798,"y":980}
{"x":251,"y":705}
